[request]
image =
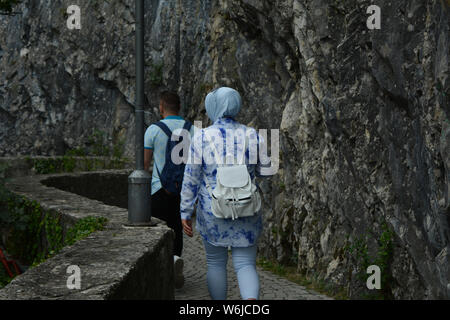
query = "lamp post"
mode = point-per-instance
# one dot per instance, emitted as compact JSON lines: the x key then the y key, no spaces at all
{"x":139,"y":182}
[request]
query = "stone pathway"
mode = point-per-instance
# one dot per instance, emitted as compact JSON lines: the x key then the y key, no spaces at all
{"x":195,"y":287}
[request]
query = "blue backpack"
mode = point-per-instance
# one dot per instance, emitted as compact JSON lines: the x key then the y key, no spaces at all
{"x":172,"y":174}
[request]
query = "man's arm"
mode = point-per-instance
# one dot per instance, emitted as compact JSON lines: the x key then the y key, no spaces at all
{"x":148,"y":154}
{"x":149,"y":140}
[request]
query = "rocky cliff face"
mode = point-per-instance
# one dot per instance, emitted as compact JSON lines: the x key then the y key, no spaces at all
{"x":364,"y":114}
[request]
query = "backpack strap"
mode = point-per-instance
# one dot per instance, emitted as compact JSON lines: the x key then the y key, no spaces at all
{"x":168,"y":133}
{"x":239,"y":162}
{"x":164,"y":128}
{"x":187,"y":126}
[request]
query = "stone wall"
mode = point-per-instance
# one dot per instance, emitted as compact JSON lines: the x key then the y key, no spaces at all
{"x":364,"y":114}
{"x":11,"y":167}
{"x":111,"y":189}
{"x":116,"y":263}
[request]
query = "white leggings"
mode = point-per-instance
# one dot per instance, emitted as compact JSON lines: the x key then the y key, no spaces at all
{"x":244,"y":261}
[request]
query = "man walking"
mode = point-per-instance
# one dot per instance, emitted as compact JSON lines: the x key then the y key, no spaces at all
{"x":167,"y":176}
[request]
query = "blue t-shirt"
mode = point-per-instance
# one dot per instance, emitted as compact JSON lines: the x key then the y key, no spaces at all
{"x":155,"y":139}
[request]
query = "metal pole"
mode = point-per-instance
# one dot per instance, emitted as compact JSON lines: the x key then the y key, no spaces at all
{"x":140,"y":84}
{"x":139,"y":182}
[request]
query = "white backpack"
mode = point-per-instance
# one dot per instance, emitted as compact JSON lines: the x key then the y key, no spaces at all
{"x":235,"y":195}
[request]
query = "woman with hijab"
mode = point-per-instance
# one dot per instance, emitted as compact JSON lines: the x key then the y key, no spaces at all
{"x":222,"y":106}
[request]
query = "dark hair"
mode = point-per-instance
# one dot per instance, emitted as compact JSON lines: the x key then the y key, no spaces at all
{"x":170,"y":101}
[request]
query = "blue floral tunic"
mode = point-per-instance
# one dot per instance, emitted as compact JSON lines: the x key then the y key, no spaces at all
{"x":242,"y":232}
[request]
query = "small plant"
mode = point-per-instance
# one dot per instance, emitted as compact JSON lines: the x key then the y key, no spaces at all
{"x":99,"y":147}
{"x":383,"y":258}
{"x":45,"y":166}
{"x":68,"y":164}
{"x":83,"y":228}
{"x":156,"y":74}
{"x":54,"y":165}
{"x":359,"y":250}
{"x":117,"y":151}
{"x":76,"y":152}
{"x":63,"y":13}
{"x":54,"y":234}
{"x":274,"y":230}
{"x":273,"y":267}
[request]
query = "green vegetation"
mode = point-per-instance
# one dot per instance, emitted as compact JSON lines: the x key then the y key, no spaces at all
{"x":64,"y":13}
{"x":31,"y":225}
{"x":97,"y":147}
{"x":83,"y":228}
{"x":359,"y":251}
{"x":117,"y":150}
{"x":311,"y":283}
{"x":156,"y":74}
{"x":53,"y":165}
{"x":441,"y":88}
{"x":76,"y":152}
{"x":34,"y":233}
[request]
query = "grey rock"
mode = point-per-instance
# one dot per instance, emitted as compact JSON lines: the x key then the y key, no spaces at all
{"x":364,"y":114}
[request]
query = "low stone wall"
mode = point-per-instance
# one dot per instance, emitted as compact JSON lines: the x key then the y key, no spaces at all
{"x":111,"y":189}
{"x":27,"y":166}
{"x":116,"y":263}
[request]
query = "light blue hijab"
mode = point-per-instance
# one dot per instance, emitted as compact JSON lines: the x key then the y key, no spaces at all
{"x":223,"y":102}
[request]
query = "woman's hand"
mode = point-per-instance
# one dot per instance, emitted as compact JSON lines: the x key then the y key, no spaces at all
{"x":187,"y":227}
